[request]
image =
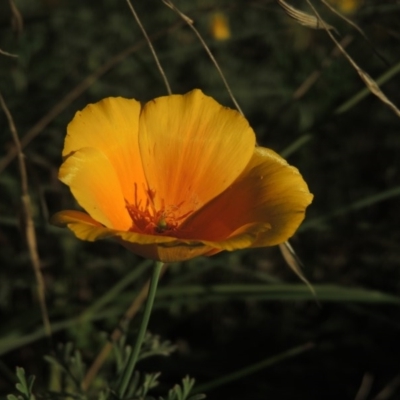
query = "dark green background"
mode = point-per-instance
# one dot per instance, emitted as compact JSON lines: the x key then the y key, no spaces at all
{"x":346,"y":158}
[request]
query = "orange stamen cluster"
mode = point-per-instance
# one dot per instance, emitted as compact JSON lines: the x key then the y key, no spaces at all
{"x":147,"y":219}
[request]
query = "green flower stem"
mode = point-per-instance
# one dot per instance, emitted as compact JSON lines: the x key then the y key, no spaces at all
{"x":133,"y":357}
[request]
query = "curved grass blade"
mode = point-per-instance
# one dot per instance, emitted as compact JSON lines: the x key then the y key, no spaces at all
{"x":295,"y":264}
{"x":251,"y":369}
{"x":369,"y":82}
{"x":198,"y":294}
{"x":357,"y":205}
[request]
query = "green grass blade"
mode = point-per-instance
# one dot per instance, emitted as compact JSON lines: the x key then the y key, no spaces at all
{"x":251,"y":369}
{"x":357,"y":205}
{"x":296,"y":145}
{"x":116,"y":289}
{"x":346,"y":106}
{"x":198,"y":295}
{"x":282,"y":292}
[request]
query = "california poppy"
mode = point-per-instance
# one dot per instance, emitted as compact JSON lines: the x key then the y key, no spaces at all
{"x":178,"y":177}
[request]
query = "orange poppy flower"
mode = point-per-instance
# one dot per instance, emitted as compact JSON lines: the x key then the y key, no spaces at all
{"x":176,"y":178}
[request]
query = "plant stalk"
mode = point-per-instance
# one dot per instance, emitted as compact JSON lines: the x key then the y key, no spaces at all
{"x":133,"y":357}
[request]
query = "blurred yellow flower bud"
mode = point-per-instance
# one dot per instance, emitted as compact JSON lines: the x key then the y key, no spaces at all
{"x":220,"y":26}
{"x":347,"y":6}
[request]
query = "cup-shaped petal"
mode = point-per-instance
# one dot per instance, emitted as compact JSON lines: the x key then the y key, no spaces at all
{"x":269,"y":193}
{"x":111,"y":126}
{"x":95,"y":185}
{"x":192,"y":148}
{"x":161,"y":248}
{"x":178,"y":179}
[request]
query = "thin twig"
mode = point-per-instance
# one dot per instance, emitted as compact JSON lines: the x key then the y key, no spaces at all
{"x":5,"y":53}
{"x":76,"y":92}
{"x":17,"y":20}
{"x":305,"y":86}
{"x":303,"y":18}
{"x":189,"y":22}
{"x":359,"y":30}
{"x":315,"y":75}
{"x":117,"y":332}
{"x":294,"y":262}
{"x":368,"y":81}
{"x":156,"y":59}
{"x":28,"y":220}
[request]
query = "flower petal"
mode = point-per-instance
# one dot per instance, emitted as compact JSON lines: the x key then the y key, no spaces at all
{"x":63,"y":218}
{"x":182,"y":249}
{"x":161,"y":248}
{"x":187,"y":152}
{"x":268,"y":193}
{"x":169,"y":252}
{"x":86,"y":228}
{"x":192,"y":148}
{"x":96,"y":187}
{"x":112,"y":126}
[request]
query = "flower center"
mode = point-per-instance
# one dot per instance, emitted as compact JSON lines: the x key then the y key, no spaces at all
{"x":148,"y":219}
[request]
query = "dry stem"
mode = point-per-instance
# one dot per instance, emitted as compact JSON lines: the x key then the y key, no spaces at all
{"x":160,"y":68}
{"x":75,"y":93}
{"x":28,"y":220}
{"x":189,"y":22}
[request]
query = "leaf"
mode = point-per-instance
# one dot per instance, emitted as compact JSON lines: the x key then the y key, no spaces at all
{"x":187,"y":384}
{"x":22,"y":385}
{"x":31,"y":381}
{"x":182,"y":392}
{"x":21,"y":388}
{"x":310,"y":21}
